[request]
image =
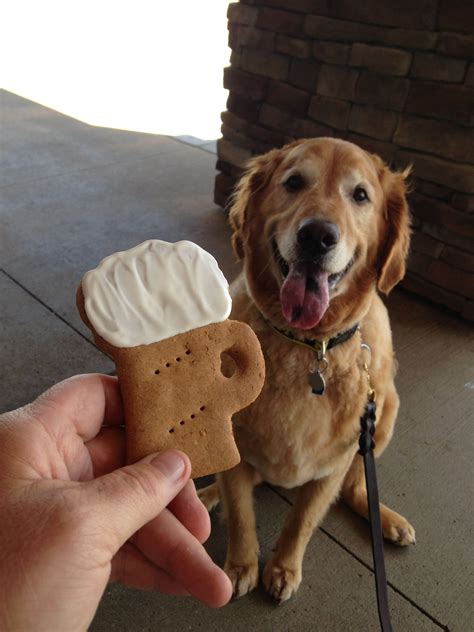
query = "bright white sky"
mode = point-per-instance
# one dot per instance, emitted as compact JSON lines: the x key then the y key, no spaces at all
{"x":151,"y":66}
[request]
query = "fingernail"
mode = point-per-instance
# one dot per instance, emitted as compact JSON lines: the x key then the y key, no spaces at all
{"x":170,"y":464}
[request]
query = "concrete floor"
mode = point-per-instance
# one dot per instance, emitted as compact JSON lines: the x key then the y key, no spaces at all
{"x":71,"y":194}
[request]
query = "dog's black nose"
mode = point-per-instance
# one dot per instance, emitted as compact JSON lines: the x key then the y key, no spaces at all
{"x":316,"y":237}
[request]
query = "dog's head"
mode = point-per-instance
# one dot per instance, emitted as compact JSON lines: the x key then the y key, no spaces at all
{"x":319,"y":224}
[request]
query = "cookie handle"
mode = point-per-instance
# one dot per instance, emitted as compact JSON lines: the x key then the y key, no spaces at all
{"x":242,"y":345}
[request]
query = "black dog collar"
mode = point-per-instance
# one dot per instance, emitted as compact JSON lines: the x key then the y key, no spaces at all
{"x":318,"y":346}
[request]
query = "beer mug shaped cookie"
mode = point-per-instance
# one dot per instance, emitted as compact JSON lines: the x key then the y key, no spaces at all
{"x":160,"y":310}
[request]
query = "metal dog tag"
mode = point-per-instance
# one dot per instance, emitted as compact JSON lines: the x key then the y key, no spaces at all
{"x":317,"y":383}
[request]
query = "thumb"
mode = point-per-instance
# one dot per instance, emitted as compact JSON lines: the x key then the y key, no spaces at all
{"x":126,"y":499}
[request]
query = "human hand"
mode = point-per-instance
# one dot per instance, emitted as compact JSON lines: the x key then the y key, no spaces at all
{"x":71,"y":521}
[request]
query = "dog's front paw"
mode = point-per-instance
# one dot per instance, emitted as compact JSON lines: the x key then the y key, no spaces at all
{"x":244,"y":577}
{"x":281,"y":582}
{"x":397,"y":529}
{"x":209,"y":496}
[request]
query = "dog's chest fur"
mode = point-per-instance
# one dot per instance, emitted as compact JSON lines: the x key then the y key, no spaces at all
{"x":290,"y":435}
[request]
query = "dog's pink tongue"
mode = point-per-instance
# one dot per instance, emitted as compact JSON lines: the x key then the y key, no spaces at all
{"x":304,"y":295}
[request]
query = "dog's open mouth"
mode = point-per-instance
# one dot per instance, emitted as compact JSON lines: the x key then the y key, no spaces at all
{"x":304,"y":294}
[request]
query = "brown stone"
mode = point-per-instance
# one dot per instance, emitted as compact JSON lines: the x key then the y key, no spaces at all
{"x":424,"y":244}
{"x":241,"y":36}
{"x":432,"y":190}
{"x":372,"y":121}
{"x":456,"y":44}
{"x":234,"y":121}
{"x":457,"y":176}
{"x":386,"y":151}
{"x":288,"y":98}
{"x":281,"y":21}
{"x":251,"y":86}
{"x":304,"y":74}
{"x":419,"y":263}
{"x":463,"y":202}
{"x":415,"y":223}
{"x":414,"y":283}
{"x":323,"y":28}
{"x":339,"y":30}
{"x":261,"y":147}
{"x":223,"y":166}
{"x":237,"y":138}
{"x":333,"y":112}
{"x":337,"y":82}
{"x":436,"y":137}
{"x":453,"y":279}
{"x":303,"y":128}
{"x":448,"y":237}
{"x":242,"y":14}
{"x":458,"y":259}
{"x":242,"y":107}
{"x":470,"y":75}
{"x":232,"y":171}
{"x":300,"y":6}
{"x":275,"y":139}
{"x":223,"y":188}
{"x":266,"y":64}
{"x":275,"y":118}
{"x":381,"y":90}
{"x":387,"y":61}
{"x":331,"y":52}
{"x":456,"y":15}
{"x":292,"y":46}
{"x":438,"y":68}
{"x":408,"y":38}
{"x":235,"y":59}
{"x":233,"y":154}
{"x":468,"y":310}
{"x":402,"y":13}
{"x":452,"y":102}
{"x":436,"y":212}
{"x":220,"y":198}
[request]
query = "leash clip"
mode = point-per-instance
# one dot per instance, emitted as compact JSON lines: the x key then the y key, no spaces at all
{"x":318,"y":368}
{"x":371,"y":392}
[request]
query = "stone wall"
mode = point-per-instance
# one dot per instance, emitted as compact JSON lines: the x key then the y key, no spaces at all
{"x":394,"y":76}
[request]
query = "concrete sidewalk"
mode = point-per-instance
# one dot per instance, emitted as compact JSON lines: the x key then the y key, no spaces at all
{"x":69,"y":195}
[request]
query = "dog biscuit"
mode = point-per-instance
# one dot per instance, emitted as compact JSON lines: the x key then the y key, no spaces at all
{"x":160,"y":310}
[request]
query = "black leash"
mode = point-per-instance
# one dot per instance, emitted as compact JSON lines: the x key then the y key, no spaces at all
{"x":366,"y":449}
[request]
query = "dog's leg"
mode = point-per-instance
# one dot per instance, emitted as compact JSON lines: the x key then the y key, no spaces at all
{"x":209,"y":496}
{"x":282,"y":574}
{"x":395,"y":527}
{"x":236,"y":494}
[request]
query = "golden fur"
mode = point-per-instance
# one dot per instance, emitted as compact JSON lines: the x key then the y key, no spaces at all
{"x":289,"y":436}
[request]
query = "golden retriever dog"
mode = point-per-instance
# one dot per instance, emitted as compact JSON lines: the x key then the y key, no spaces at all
{"x":321,"y":226}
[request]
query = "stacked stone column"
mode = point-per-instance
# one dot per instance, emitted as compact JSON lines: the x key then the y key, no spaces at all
{"x":397,"y":78}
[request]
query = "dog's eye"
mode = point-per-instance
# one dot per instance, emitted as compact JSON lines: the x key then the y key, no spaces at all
{"x":360,"y":195}
{"x":294,"y":183}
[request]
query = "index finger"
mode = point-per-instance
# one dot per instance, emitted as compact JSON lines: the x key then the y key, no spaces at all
{"x":170,"y":546}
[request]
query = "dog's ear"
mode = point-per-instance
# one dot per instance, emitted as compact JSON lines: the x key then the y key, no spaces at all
{"x":256,"y":176}
{"x":397,"y":217}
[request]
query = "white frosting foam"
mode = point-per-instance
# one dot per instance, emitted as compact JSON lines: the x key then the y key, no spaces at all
{"x":155,"y":291}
